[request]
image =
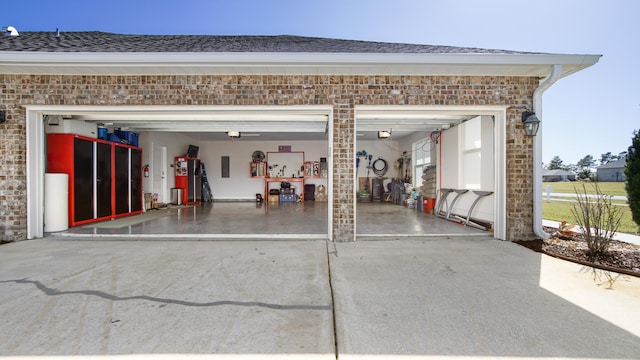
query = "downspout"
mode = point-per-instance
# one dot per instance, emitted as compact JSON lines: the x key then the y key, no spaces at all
{"x":556,"y":74}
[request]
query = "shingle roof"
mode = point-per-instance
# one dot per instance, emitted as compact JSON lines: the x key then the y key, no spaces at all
{"x":96,"y":41}
{"x":557,"y":172}
{"x":616,"y":164}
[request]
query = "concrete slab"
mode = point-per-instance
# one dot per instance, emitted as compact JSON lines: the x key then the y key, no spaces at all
{"x":181,"y":297}
{"x":471,"y":298}
{"x":431,"y":298}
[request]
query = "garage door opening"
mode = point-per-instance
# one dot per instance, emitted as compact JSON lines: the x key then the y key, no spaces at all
{"x":236,"y":203}
{"x":408,"y":159}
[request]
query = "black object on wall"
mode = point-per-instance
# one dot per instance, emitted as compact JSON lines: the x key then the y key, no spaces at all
{"x":3,"y":116}
{"x":193,"y":150}
{"x":225,"y":166}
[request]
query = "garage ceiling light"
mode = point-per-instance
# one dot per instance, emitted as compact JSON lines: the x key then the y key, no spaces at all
{"x":234,"y":134}
{"x":384,"y":134}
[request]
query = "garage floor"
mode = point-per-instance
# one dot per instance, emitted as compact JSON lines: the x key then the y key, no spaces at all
{"x":248,"y":220}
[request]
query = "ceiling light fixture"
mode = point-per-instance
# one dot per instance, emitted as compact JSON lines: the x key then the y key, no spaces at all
{"x":384,"y":134}
{"x":234,"y":134}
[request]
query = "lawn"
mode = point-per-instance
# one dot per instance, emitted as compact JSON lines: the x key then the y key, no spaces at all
{"x":609,"y":188}
{"x":558,"y":210}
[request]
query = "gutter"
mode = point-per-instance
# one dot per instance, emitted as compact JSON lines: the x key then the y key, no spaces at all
{"x":556,"y":74}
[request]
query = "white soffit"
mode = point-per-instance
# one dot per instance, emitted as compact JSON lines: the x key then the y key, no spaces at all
{"x":539,"y":65}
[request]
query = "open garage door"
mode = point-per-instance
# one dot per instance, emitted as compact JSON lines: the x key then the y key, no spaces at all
{"x":165,"y":135}
{"x":410,"y":157}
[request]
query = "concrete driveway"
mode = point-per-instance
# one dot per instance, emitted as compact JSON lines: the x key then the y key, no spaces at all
{"x":437,"y":297}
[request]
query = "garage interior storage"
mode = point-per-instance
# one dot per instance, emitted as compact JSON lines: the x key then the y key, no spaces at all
{"x":105,"y":178}
{"x":262,"y":177}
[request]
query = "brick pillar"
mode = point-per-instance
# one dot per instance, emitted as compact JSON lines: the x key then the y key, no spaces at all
{"x":344,"y":165}
{"x":519,"y":179}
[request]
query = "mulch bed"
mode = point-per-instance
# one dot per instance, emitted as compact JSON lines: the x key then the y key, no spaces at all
{"x":623,"y":257}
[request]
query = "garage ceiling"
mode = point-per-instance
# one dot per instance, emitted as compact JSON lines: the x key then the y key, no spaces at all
{"x":268,"y":125}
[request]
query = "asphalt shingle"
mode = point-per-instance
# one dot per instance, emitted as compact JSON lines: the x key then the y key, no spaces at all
{"x":96,"y":41}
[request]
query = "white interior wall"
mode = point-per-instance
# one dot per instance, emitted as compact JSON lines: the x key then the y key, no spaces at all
{"x":407,"y":144}
{"x":451,"y":169}
{"x":240,"y":185}
{"x":389,"y":150}
{"x":176,"y":144}
{"x":448,"y":161}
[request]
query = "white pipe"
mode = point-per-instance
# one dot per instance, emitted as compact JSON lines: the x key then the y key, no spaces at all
{"x":556,"y":74}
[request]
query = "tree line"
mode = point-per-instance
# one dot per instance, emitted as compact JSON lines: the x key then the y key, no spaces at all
{"x":583,"y":167}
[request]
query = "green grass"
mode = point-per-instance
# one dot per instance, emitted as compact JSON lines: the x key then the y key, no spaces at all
{"x":561,"y":210}
{"x":609,"y":188}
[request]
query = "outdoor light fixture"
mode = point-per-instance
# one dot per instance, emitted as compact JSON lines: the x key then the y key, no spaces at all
{"x":531,"y":123}
{"x":234,"y":134}
{"x":384,"y":134}
{"x":3,"y":116}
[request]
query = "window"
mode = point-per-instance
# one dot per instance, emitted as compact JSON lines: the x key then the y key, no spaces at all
{"x":471,"y":154}
{"x":421,"y":159}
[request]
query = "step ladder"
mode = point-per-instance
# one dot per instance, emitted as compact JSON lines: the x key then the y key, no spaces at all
{"x":207,"y":196}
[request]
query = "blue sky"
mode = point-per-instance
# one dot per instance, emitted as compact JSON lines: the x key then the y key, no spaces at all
{"x":588,"y":113}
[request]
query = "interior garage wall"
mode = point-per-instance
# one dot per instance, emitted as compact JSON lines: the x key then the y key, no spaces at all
{"x":341,"y":92}
{"x":451,"y":174}
{"x":389,"y":150}
{"x":240,"y":185}
{"x":176,"y":144}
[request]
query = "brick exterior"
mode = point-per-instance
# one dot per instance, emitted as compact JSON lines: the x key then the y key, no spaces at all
{"x":342,"y":92}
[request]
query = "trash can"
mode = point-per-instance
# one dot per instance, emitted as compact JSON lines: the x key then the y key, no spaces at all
{"x":429,"y":204}
{"x":176,"y":196}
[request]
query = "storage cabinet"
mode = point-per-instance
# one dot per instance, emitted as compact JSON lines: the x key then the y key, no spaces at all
{"x":311,"y":169}
{"x":128,"y":195}
{"x":104,"y":178}
{"x":258,"y":169}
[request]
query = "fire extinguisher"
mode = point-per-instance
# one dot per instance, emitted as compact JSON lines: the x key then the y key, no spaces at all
{"x":146,"y":170}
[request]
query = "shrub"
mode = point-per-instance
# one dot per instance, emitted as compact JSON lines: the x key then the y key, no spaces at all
{"x":632,"y":177}
{"x":598,"y":219}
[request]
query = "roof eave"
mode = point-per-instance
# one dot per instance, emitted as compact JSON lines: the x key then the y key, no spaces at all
{"x":196,"y":63}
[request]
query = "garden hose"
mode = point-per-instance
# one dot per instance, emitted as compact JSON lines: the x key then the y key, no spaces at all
{"x":380,"y":171}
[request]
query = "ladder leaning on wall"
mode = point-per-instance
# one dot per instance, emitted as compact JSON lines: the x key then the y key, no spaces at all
{"x":207,"y":196}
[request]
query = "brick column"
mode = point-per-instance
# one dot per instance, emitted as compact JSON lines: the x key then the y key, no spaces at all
{"x":344,"y":164}
{"x":519,"y":178}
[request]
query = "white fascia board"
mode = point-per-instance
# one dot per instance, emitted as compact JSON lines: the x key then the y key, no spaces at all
{"x":289,"y":63}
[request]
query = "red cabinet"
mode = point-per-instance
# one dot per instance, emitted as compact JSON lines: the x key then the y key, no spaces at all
{"x":104,"y":177}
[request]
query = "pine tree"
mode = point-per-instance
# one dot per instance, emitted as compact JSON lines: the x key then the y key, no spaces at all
{"x":556,"y":163}
{"x":632,"y":176}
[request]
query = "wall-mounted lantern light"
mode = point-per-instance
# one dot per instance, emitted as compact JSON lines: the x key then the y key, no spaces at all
{"x":531,"y":123}
{"x":3,"y":116}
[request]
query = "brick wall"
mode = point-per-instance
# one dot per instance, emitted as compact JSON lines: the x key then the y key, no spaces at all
{"x":342,"y":92}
